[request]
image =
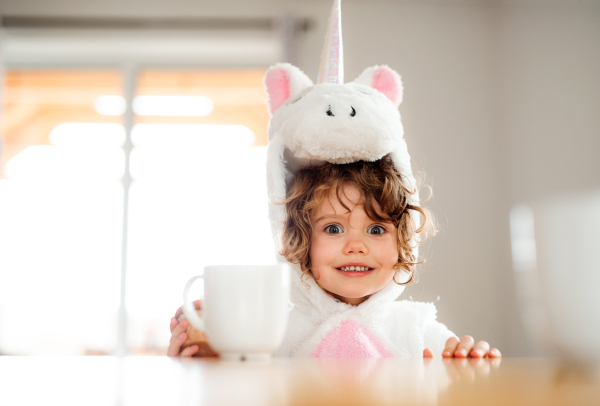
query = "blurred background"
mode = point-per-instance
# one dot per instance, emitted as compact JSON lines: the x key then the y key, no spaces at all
{"x":501,"y":105}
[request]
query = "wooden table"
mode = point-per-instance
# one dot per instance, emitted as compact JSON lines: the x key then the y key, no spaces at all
{"x":165,"y":381}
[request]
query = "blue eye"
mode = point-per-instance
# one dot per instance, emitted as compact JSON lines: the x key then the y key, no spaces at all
{"x":376,"y":230}
{"x":333,"y":229}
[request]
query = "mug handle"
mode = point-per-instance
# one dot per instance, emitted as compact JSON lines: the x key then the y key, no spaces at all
{"x":188,"y":306}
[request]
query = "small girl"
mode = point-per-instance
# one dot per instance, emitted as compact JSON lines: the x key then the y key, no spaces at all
{"x":349,"y":229}
{"x":345,"y":212}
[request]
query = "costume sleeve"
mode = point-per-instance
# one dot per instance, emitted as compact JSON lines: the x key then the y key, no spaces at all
{"x":419,"y":320}
{"x":435,"y":335}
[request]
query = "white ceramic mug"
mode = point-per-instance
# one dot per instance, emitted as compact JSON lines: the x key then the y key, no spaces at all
{"x":556,"y":256}
{"x":244,"y":310}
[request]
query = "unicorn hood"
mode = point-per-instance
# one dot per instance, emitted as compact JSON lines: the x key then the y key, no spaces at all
{"x":339,"y":123}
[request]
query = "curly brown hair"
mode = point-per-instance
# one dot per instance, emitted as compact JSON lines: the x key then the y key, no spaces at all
{"x":377,"y":181}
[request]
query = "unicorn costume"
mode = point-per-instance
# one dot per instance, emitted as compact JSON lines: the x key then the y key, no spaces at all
{"x":342,"y":123}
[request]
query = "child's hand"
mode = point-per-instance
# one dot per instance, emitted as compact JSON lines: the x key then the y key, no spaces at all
{"x":179,"y":335}
{"x":465,"y":348}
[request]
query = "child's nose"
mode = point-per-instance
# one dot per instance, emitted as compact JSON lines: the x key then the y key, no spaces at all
{"x":355,"y":246}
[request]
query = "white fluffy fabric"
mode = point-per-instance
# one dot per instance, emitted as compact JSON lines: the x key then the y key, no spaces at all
{"x":404,"y":328}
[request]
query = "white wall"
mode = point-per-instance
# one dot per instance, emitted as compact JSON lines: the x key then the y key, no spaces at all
{"x":548,"y":108}
{"x":502,"y":104}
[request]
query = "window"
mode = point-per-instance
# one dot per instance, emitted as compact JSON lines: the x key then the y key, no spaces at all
{"x":61,"y":205}
{"x":196,"y":197}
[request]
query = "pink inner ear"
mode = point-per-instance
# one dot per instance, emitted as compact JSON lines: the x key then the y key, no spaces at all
{"x":388,"y":83}
{"x":277,"y":83}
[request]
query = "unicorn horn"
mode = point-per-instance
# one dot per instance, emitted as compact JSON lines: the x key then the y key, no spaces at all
{"x":332,"y":58}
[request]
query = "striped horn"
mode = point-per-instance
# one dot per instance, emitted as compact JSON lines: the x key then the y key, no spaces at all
{"x":332,"y":58}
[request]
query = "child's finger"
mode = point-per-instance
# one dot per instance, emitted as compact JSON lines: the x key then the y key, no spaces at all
{"x":179,"y":329}
{"x":175,"y":344}
{"x":465,"y":346}
{"x":179,"y":312}
{"x":451,"y":345}
{"x":189,"y":351}
{"x":480,"y":350}
{"x":494,"y":353}
{"x":427,"y":353}
{"x":174,"y":323}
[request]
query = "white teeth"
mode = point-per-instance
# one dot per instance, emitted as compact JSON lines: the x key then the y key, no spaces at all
{"x":354,"y":268}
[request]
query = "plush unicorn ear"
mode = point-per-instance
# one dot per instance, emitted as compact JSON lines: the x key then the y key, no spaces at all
{"x":283,"y":81}
{"x":384,"y":79}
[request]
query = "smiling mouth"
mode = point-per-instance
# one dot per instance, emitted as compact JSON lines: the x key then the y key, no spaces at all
{"x":355,"y":269}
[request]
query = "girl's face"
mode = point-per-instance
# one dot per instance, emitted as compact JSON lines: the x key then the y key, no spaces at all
{"x":344,"y":244}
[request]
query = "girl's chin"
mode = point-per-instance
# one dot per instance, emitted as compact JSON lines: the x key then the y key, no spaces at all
{"x":350,"y":296}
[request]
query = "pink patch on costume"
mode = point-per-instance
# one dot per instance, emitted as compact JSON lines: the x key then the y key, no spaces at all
{"x":389,"y":83}
{"x":350,"y":340}
{"x":277,"y":83}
